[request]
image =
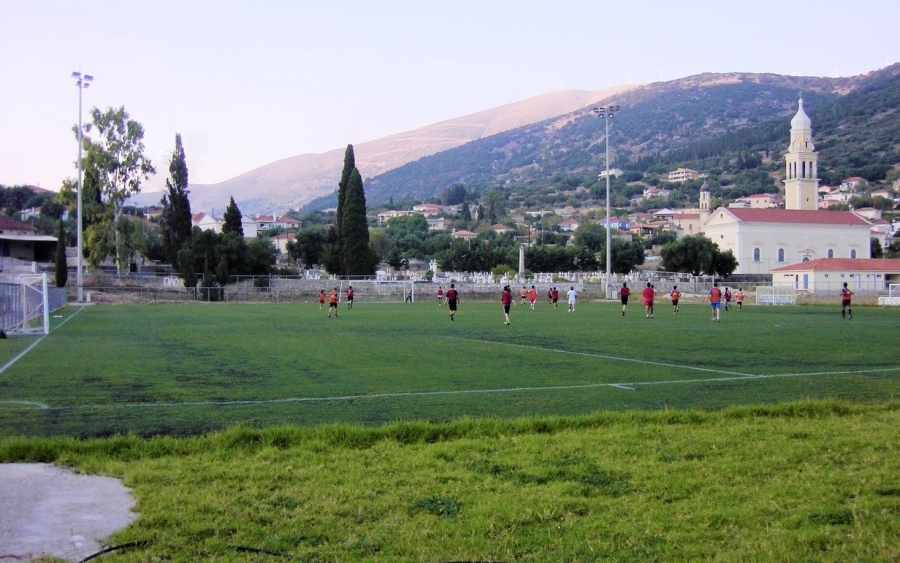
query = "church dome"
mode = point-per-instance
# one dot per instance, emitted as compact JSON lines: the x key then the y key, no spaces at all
{"x":801,"y":120}
{"x":704,"y":187}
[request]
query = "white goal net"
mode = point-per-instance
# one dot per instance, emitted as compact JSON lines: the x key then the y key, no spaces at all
{"x":775,"y":295}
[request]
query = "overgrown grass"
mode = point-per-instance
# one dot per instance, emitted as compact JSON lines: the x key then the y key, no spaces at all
{"x":189,"y":369}
{"x":803,"y":481}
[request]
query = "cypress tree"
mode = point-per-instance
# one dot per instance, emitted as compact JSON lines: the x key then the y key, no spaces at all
{"x":354,"y":234}
{"x":334,"y":244}
{"x":349,"y":166}
{"x":62,"y":266}
{"x":232,"y":219}
{"x":175,"y":223}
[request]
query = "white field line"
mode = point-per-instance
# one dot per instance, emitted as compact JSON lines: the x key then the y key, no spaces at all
{"x":606,"y":357}
{"x":623,"y":386}
{"x":10,"y":363}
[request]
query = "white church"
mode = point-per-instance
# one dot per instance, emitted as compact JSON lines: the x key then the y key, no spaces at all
{"x":763,"y":240}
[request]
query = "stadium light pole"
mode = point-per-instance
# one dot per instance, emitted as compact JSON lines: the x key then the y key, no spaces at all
{"x":82,"y":81}
{"x":606,"y":113}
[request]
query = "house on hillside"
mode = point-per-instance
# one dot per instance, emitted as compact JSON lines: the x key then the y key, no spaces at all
{"x":463,"y":234}
{"x":830,"y":274}
{"x":266,"y":222}
{"x":613,"y":173}
{"x":655,"y":192}
{"x":439,"y":224}
{"x":683,"y":175}
{"x":385,"y":216}
{"x":281,"y":240}
{"x":881,"y":230}
{"x":206,"y":222}
{"x":869,"y":213}
{"x":502,"y":229}
{"x":761,"y":201}
{"x":849,"y":185}
{"x":569,"y":225}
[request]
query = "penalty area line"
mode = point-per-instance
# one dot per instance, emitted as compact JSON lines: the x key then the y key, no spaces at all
{"x":625,"y":386}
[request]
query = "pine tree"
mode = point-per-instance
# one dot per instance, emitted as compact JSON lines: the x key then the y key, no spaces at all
{"x":62,"y":267}
{"x":175,"y":223}
{"x":354,"y":234}
{"x":232,"y":219}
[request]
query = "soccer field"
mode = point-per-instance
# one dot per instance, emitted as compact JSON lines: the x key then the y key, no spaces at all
{"x":189,"y":368}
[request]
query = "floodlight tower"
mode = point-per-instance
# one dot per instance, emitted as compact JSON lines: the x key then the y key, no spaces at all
{"x":607,"y":113}
{"x":82,"y":81}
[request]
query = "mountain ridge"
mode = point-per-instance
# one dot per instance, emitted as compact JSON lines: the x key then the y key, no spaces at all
{"x":296,"y":180}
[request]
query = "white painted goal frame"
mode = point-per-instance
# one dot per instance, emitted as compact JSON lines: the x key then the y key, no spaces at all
{"x":32,"y":309}
{"x":893,"y":297}
{"x":775,"y":295}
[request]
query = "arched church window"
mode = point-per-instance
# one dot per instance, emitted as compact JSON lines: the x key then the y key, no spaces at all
{"x":756,"y":255}
{"x":853,"y":253}
{"x":781,"y":255}
{"x":803,"y":170}
{"x":831,"y":253}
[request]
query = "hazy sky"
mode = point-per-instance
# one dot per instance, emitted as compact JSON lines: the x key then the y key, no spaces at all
{"x":248,"y":83}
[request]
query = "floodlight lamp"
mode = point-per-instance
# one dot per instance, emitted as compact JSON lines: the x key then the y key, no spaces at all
{"x":76,"y":75}
{"x":88,"y":77}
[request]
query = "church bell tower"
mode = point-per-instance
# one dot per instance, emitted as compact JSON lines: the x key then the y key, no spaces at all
{"x":801,"y":183}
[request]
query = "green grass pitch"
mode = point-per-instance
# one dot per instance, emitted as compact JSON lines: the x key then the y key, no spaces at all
{"x":190,"y":368}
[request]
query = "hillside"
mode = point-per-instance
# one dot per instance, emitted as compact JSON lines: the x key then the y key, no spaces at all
{"x":294,"y":181}
{"x":673,"y":122}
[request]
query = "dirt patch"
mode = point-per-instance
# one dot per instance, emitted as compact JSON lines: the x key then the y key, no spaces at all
{"x":50,"y":511}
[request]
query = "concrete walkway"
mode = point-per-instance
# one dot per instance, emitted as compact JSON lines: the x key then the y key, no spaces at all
{"x":47,"y":510}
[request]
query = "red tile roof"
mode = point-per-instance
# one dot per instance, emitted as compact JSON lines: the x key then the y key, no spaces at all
{"x":12,"y":225}
{"x":845,"y":264}
{"x":798,"y":216}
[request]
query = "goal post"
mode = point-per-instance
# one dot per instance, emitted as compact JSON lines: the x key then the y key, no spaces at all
{"x":775,"y":295}
{"x":25,"y":307}
{"x":893,"y":297}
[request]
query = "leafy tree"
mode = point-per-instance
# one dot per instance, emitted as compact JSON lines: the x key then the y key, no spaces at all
{"x":396,"y":260}
{"x":62,"y":267}
{"x":626,"y":256}
{"x":308,"y":247}
{"x":893,"y":250}
{"x":591,"y":236}
{"x":175,"y":222}
{"x":331,"y":256}
{"x":115,"y":161}
{"x":454,"y":195}
{"x":232,"y":220}
{"x":357,"y":257}
{"x":260,"y":257}
{"x":415,"y":224}
{"x":877,"y":250}
{"x":698,"y":255}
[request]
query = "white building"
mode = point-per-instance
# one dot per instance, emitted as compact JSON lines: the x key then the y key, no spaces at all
{"x":763,"y":239}
{"x":683,"y":175}
{"x":830,"y":274}
{"x":766,"y":239}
